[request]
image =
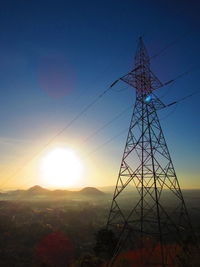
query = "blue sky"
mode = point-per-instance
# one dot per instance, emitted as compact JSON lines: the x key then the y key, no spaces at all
{"x":90,"y":44}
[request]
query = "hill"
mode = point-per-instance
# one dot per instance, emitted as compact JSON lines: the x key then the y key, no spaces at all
{"x":38,"y":192}
{"x":91,"y":191}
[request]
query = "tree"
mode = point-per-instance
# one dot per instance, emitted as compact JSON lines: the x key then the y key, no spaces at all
{"x":105,"y":244}
{"x":55,"y":250}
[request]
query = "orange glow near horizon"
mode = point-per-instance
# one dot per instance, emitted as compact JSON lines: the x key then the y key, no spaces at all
{"x":66,"y":165}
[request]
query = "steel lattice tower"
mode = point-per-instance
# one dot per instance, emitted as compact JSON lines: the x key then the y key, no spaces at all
{"x":155,"y":217}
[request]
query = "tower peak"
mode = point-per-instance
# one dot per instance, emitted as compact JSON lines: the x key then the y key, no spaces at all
{"x":141,"y":56}
{"x":141,"y":77}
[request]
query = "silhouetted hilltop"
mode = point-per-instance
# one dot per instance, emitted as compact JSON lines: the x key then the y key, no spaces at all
{"x":38,"y":191}
{"x":91,"y":191}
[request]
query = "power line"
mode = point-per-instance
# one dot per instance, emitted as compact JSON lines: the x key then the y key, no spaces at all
{"x":170,"y":113}
{"x":120,"y":89}
{"x":84,"y":110}
{"x":181,"y":75}
{"x":107,"y":142}
{"x":110,"y":139}
{"x":183,"y":98}
{"x":96,"y":132}
{"x":121,"y":132}
{"x":106,"y":124}
{"x":84,"y":141}
{"x":171,"y":44}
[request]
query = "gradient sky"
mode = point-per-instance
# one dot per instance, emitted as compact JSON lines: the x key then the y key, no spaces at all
{"x":57,"y":56}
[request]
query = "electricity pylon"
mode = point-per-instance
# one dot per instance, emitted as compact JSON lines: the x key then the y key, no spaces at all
{"x":153,"y":216}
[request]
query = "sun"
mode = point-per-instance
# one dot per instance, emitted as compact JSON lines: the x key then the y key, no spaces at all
{"x":61,"y":167}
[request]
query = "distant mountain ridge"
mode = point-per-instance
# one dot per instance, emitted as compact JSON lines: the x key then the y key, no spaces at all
{"x":37,"y":190}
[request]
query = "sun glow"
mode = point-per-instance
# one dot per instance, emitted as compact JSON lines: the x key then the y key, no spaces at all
{"x":61,"y":168}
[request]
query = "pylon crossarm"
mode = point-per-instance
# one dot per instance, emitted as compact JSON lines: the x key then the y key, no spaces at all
{"x":133,"y":77}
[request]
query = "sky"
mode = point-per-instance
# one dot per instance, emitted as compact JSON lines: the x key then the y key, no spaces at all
{"x":57,"y":56}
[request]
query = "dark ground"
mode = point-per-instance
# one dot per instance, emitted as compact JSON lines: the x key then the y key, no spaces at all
{"x":29,"y":227}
